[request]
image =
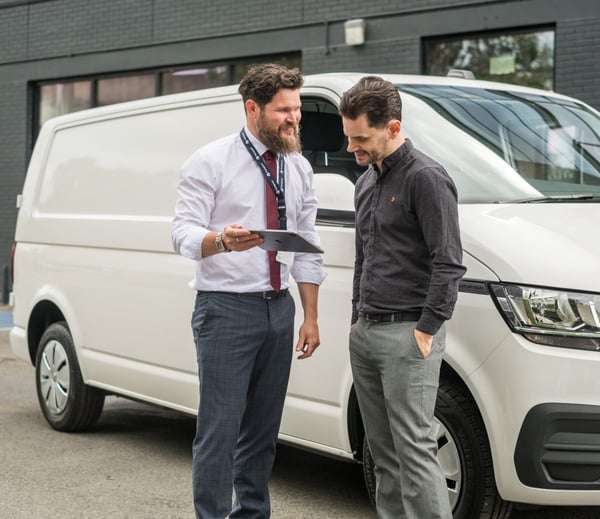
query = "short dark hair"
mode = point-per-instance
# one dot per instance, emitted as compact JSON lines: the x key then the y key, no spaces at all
{"x":262,"y":82}
{"x":374,"y":96}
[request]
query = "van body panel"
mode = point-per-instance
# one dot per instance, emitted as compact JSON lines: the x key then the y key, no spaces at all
{"x":466,"y":356}
{"x":476,"y":270}
{"x":111,"y":325}
{"x":326,"y":399}
{"x":170,"y":388}
{"x":559,"y":236}
{"x":86,"y":197}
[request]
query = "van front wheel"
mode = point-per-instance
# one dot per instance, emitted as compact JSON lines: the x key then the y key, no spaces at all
{"x":66,"y":402}
{"x":464,"y":455}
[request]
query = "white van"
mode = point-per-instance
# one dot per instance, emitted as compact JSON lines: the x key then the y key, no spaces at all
{"x":102,"y":305}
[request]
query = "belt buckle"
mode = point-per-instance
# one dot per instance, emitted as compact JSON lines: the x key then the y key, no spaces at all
{"x":269,"y":294}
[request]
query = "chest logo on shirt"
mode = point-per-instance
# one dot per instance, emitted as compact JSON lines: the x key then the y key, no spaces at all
{"x":393,"y":199}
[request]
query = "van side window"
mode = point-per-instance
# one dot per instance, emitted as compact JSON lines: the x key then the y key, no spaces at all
{"x":336,"y":171}
{"x":323,"y":140}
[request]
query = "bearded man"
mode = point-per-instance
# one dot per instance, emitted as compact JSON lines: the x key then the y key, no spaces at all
{"x":243,"y":319}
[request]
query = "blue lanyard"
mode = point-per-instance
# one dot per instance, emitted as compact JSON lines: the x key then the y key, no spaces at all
{"x":278,"y":188}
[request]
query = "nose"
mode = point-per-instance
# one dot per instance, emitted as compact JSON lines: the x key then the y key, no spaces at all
{"x":352,"y":147}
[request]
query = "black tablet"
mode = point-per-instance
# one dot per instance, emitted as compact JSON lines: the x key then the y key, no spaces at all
{"x":276,"y":239}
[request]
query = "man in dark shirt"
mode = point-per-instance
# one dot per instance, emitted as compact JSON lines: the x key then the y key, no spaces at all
{"x":408,"y":265}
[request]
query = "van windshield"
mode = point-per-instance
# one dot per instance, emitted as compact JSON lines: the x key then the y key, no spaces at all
{"x":525,"y":147}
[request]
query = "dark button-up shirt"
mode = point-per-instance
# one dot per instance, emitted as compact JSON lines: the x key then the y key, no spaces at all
{"x":408,"y":248}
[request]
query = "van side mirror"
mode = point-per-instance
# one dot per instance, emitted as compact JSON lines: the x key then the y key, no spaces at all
{"x":336,"y":200}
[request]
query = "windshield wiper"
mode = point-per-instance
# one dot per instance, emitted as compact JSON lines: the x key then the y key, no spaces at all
{"x":552,"y":198}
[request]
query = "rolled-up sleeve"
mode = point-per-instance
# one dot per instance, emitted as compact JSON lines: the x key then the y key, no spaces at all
{"x":195,"y":202}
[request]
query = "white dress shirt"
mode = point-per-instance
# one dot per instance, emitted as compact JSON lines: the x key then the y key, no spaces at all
{"x":221,"y":184}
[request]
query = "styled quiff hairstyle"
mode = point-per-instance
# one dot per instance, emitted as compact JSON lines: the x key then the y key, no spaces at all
{"x":262,"y":82}
{"x":374,"y":96}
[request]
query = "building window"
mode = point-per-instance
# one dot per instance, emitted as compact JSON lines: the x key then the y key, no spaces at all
{"x":184,"y":80}
{"x":523,"y":58}
{"x":61,"y":98}
{"x":70,"y":96}
{"x":125,"y":88}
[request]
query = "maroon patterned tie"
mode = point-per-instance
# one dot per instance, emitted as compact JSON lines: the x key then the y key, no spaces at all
{"x":272,"y":219}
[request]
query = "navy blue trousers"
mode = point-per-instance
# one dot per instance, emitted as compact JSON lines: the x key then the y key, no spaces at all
{"x":244,"y":348}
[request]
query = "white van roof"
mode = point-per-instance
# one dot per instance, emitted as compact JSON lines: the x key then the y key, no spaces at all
{"x":347,"y":79}
{"x":336,"y":81}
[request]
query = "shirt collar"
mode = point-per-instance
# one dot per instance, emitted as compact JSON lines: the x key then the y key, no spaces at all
{"x":391,"y":160}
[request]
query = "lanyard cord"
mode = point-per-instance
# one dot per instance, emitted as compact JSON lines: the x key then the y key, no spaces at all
{"x":278,"y":188}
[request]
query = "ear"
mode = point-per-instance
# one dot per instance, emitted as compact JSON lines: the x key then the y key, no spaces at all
{"x":252,"y":108}
{"x":394,"y":128}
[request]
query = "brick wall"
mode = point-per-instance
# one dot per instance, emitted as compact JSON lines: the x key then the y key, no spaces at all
{"x":400,"y":56}
{"x":188,"y":19}
{"x":13,"y":31}
{"x":578,"y":59}
{"x":72,"y":26}
{"x":13,"y":107}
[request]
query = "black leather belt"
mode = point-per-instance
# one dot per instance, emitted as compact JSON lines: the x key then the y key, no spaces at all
{"x":391,"y":317}
{"x":267,"y":294}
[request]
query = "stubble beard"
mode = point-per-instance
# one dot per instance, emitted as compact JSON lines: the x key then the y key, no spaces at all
{"x":376,"y":155}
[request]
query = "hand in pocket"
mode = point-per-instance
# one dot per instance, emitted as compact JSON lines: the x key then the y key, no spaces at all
{"x":424,"y":342}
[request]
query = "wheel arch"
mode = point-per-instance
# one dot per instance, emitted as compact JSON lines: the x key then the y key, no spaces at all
{"x":43,"y":314}
{"x":356,"y":430}
{"x":448,"y":373}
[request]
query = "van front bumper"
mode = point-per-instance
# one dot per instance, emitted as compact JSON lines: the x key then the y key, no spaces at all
{"x":559,"y":447}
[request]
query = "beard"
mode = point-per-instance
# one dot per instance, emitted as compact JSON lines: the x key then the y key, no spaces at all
{"x":273,"y":139}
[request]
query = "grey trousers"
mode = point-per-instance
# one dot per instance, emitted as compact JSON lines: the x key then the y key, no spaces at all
{"x":396,"y":389}
{"x":244,"y":347}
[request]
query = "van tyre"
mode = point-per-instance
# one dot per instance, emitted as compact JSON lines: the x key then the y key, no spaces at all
{"x":466,"y":460}
{"x":67,"y":403}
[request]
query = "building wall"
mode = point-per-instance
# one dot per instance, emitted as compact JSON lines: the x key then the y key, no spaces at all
{"x":60,"y":39}
{"x":578,"y":58}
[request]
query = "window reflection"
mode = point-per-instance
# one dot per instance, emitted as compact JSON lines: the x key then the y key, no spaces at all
{"x":184,"y":80}
{"x":524,"y":58}
{"x":552,"y":143}
{"x":62,"y":98}
{"x":125,"y":88}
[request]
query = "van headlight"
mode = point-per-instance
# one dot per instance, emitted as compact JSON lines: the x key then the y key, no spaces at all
{"x":549,"y":316}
